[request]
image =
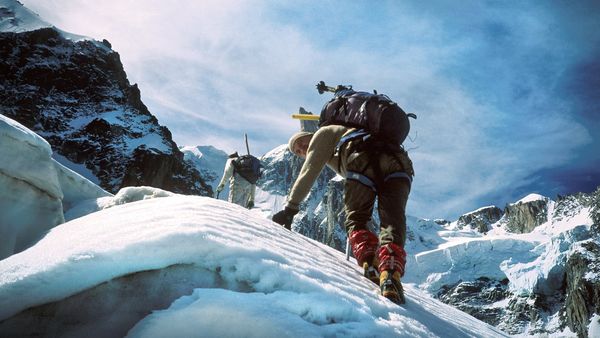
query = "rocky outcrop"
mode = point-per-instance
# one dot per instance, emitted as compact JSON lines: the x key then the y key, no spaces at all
{"x":491,"y":301}
{"x":582,"y":286}
{"x":477,"y":298}
{"x":157,"y":169}
{"x":76,"y":95}
{"x":480,"y":219}
{"x":335,"y":235}
{"x":281,"y":168}
{"x":523,"y":217}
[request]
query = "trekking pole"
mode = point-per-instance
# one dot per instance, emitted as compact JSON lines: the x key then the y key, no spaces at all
{"x":247,"y":147}
{"x":347,"y":249}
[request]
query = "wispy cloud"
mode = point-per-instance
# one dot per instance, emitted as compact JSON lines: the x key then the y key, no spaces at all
{"x":482,"y":77}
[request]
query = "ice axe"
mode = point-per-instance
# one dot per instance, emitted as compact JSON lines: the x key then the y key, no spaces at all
{"x":247,"y":147}
{"x":306,"y":117}
{"x":322,"y":88}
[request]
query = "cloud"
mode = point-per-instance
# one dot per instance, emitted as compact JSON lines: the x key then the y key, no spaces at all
{"x":482,"y":78}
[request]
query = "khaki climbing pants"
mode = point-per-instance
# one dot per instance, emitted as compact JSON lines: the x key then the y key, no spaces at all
{"x":392,"y":195}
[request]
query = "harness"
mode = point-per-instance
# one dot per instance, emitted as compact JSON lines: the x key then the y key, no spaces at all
{"x":373,"y":148}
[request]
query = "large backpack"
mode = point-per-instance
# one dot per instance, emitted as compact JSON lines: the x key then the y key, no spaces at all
{"x":248,"y":167}
{"x":377,"y":114}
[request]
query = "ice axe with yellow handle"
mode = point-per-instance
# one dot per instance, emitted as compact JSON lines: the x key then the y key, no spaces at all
{"x":306,"y":117}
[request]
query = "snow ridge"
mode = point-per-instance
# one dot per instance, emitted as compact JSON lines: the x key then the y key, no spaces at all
{"x":278,"y":279}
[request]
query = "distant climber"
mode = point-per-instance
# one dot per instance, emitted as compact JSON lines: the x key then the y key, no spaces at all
{"x":242,"y":172}
{"x":373,"y":167}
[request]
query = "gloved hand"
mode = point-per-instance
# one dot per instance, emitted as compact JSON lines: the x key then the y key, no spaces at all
{"x":285,"y":217}
{"x":250,"y":205}
{"x":217,"y":191}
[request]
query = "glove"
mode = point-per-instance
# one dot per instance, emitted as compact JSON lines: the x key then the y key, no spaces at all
{"x":285,"y":217}
{"x":250,"y":205}
{"x":217,"y":191}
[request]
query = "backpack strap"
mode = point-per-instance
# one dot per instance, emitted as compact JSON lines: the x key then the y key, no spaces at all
{"x":373,"y":151}
{"x":398,"y":174}
{"x":367,"y":181}
{"x":361,"y":178}
{"x":235,"y":164}
{"x":359,"y":133}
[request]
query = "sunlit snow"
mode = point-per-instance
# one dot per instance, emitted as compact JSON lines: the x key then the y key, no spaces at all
{"x":268,"y":280}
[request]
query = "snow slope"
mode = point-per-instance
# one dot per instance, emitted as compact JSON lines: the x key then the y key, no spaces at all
{"x":483,"y":254}
{"x":244,"y":275}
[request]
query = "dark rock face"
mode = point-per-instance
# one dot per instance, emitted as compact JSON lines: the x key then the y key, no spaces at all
{"x":529,"y":311}
{"x":481,"y":219}
{"x":76,"y":95}
{"x":281,"y":168}
{"x":475,"y":298}
{"x":594,"y":204}
{"x":491,"y":301}
{"x":524,"y":217}
{"x":583,"y":286}
{"x":335,"y":235}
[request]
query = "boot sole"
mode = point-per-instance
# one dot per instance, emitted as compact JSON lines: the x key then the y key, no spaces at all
{"x":394,"y":297}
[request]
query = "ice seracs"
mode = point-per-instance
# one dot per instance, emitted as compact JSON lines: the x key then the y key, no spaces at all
{"x":36,"y":190}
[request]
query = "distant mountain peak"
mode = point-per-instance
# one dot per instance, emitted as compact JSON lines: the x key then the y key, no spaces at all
{"x":16,"y":18}
{"x":531,"y":198}
{"x":74,"y":92}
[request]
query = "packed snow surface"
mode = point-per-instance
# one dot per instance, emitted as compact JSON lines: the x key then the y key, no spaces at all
{"x":261,"y":280}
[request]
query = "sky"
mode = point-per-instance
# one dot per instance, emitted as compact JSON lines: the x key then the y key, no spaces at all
{"x":507,"y":94}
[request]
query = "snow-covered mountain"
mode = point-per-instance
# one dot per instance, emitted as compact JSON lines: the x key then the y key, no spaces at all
{"x":210,"y":162}
{"x":74,"y":92}
{"x":16,"y":18}
{"x":542,"y":281}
